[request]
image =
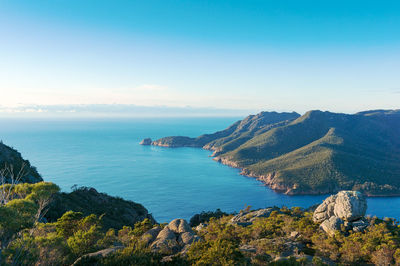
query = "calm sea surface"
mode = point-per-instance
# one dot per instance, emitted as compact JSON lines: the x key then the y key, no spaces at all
{"x":169,"y":182}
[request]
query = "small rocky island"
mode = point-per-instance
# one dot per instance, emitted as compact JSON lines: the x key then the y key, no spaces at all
{"x":146,"y":141}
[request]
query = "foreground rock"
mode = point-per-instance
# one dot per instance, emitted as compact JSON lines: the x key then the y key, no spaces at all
{"x":176,"y":237}
{"x":146,"y":141}
{"x":246,"y":218}
{"x":343,"y":211}
{"x":97,"y":255}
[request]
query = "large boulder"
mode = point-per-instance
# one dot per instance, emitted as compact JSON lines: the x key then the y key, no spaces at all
{"x":350,"y":205}
{"x":151,"y":235}
{"x":346,"y":205}
{"x":325,"y":210}
{"x":179,"y":226}
{"x":165,"y":242}
{"x":331,"y":225}
{"x":345,"y":208}
{"x":176,"y":237}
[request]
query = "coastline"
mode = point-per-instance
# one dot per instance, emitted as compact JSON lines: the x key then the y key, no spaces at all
{"x":269,"y":179}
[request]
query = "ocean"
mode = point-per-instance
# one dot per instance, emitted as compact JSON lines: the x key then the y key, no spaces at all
{"x":169,"y":182}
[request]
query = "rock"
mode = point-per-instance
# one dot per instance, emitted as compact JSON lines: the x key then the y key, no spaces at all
{"x":325,"y":210}
{"x":360,"y":225}
{"x":167,"y":259}
{"x":294,"y":234}
{"x":150,"y":235}
{"x":282,"y":260}
{"x":248,"y":248}
{"x":185,"y":249}
{"x":186,"y":238}
{"x":345,"y":208}
{"x":287,"y":247}
{"x":165,"y":234}
{"x":247,"y":218}
{"x":350,"y":205}
{"x":165,"y":242}
{"x":332,"y":225}
{"x":291,"y":248}
{"x":99,"y":254}
{"x":346,"y":205}
{"x":146,"y":141}
{"x":176,"y":237}
{"x":179,"y":226}
{"x":201,"y":227}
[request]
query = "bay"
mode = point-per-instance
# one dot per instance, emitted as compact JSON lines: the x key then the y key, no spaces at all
{"x":169,"y":182}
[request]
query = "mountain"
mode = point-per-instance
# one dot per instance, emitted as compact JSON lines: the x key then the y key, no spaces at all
{"x":234,"y":135}
{"x":13,"y":166}
{"x":317,"y":153}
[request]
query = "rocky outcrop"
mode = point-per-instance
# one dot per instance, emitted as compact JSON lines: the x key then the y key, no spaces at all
{"x":332,"y":225}
{"x":151,"y":235}
{"x":146,"y":141}
{"x":246,"y":218}
{"x":174,"y":238}
{"x":346,"y":208}
{"x":97,"y":255}
{"x":14,"y":168}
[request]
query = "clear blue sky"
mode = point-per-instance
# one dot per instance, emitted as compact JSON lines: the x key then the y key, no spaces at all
{"x":259,"y":55}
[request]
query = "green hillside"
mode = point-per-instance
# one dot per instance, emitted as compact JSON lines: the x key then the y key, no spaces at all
{"x":14,"y":168}
{"x":319,"y":152}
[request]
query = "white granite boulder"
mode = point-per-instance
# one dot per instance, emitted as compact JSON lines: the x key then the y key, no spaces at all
{"x":350,"y":205}
{"x":346,"y":207}
{"x":175,"y":237}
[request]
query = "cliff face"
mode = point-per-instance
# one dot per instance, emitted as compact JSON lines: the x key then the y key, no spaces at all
{"x":317,"y":153}
{"x":13,"y":166}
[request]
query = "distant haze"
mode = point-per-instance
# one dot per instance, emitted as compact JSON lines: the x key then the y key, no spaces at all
{"x":116,"y":110}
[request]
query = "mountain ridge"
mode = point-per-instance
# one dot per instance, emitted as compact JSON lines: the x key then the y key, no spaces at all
{"x":316,"y":153}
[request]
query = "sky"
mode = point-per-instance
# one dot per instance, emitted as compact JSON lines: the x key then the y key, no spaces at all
{"x":249,"y":55}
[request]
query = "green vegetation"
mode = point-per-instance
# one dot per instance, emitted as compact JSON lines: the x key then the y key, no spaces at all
{"x":116,"y":212}
{"x":14,"y":169}
{"x":319,"y":152}
{"x":204,"y":217}
{"x":285,"y":237}
{"x":234,"y":135}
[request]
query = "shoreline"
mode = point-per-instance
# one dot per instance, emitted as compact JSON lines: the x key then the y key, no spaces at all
{"x":268,"y":180}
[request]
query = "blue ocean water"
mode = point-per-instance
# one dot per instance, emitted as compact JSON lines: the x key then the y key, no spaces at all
{"x":169,"y":182}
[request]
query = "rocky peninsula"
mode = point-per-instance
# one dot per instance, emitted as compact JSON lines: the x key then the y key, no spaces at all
{"x":317,"y":153}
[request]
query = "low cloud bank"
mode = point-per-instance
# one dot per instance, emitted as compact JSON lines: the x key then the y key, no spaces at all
{"x":116,"y":110}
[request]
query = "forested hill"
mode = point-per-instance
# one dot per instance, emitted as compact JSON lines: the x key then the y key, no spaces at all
{"x":13,"y":168}
{"x":319,"y":152}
